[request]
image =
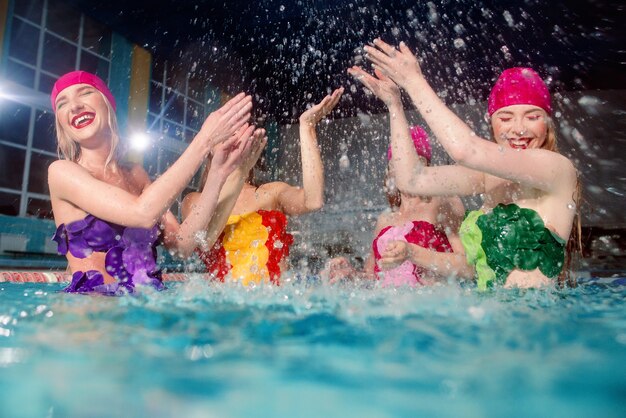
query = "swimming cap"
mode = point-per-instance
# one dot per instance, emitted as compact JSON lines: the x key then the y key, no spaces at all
{"x":421,"y":142}
{"x":80,"y":77}
{"x":519,"y":85}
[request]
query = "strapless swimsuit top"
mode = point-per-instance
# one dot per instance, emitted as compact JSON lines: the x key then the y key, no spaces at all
{"x":130,"y":254}
{"x":421,"y":233}
{"x":251,"y":248}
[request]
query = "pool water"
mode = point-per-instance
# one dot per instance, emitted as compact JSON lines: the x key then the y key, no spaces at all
{"x":304,"y":349}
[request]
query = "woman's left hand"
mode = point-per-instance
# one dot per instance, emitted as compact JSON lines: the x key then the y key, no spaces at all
{"x":313,"y":115}
{"x":398,"y":64}
{"x":383,"y":87}
{"x":396,"y":253}
{"x":231,"y":153}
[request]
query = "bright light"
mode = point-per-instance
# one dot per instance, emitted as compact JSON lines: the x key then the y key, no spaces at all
{"x":139,"y":141}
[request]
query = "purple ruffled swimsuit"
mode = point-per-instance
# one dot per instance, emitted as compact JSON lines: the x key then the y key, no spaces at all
{"x":130,"y":255}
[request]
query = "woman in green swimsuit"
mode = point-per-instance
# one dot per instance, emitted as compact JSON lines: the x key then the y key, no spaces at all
{"x":518,"y":237}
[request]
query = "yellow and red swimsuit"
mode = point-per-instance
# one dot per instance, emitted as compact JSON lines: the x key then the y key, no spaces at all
{"x":251,"y":248}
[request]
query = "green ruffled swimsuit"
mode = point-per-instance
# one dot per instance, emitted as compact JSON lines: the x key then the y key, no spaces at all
{"x":509,"y":238}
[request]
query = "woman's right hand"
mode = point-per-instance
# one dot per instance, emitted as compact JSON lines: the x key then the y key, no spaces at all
{"x":398,"y":64}
{"x":312,"y":116}
{"x":382,"y":87}
{"x":396,"y":253}
{"x":225,"y":121}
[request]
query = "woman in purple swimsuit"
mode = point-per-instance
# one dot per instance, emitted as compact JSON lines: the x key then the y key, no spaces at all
{"x":109,"y":215}
{"x":423,"y":224}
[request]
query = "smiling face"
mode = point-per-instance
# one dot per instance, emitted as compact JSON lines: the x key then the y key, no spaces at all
{"x":82,"y":113}
{"x":520,"y":126}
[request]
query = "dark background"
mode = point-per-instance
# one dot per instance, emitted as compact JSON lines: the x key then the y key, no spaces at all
{"x":290,"y":53}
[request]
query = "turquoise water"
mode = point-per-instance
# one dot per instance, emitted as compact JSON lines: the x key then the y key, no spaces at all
{"x":307,"y":350}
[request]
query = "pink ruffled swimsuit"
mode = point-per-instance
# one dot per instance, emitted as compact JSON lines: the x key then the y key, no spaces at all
{"x":420,"y":233}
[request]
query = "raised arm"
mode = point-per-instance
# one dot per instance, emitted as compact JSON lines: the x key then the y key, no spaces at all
{"x":206,"y":234}
{"x":72,"y":183}
{"x":310,"y":197}
{"x":411,"y":175}
{"x":227,"y":157}
{"x":536,"y":168}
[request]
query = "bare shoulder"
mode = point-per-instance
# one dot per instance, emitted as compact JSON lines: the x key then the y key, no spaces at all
{"x":384,"y":219}
{"x":276,"y":188}
{"x":61,"y":166}
{"x":191,"y":197}
{"x":567,"y":166}
{"x":63,"y":169}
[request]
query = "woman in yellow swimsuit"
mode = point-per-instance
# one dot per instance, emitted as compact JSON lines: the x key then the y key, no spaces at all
{"x":254,"y":246}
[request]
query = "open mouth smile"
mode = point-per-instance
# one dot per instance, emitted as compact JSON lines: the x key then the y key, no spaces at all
{"x":83,"y":119}
{"x":519,"y":143}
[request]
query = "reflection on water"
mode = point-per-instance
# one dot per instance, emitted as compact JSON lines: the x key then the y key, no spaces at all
{"x":305,"y":349}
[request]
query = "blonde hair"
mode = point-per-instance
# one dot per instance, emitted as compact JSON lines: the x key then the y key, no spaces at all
{"x":68,"y":149}
{"x":550,"y":143}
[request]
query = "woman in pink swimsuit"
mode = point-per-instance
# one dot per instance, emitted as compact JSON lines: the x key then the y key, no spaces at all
{"x":427,"y":222}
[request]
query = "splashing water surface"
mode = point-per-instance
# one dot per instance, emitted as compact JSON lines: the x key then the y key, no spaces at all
{"x":307,"y":349}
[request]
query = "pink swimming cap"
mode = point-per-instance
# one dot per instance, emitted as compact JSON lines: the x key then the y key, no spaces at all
{"x":80,"y":77}
{"x":519,"y":86}
{"x":421,"y":141}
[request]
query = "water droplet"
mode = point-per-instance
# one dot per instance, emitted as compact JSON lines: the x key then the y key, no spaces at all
{"x":509,"y":18}
{"x":615,"y":191}
{"x":344,"y":162}
{"x":591,"y":104}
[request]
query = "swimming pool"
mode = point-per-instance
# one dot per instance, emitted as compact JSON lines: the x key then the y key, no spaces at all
{"x":303,"y":349}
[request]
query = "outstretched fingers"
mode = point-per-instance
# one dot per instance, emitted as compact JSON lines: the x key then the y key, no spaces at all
{"x":239,"y":113}
{"x":377,"y":57}
{"x":233,"y":102}
{"x":405,"y":49}
{"x":257,"y":143}
{"x":329,"y":102}
{"x":245,"y":144}
{"x":359,"y":74}
{"x":316,"y":112}
{"x":370,"y":82}
{"x":385,"y":47}
{"x":334,"y":99}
